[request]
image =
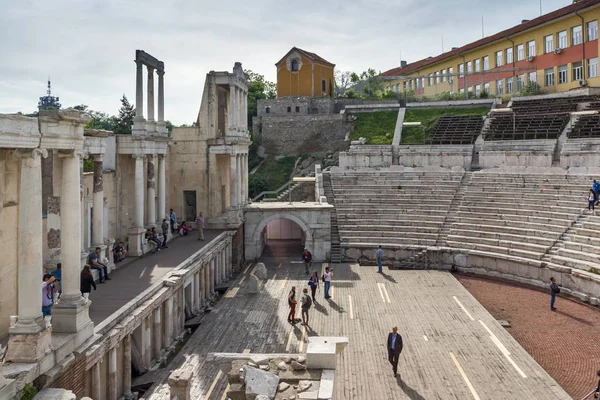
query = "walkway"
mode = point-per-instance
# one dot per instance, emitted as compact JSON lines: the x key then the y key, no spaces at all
{"x":454,"y":349}
{"x":566,"y":342}
{"x":138,"y":275}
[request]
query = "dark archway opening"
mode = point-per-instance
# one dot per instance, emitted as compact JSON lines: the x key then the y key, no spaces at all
{"x":283,"y":238}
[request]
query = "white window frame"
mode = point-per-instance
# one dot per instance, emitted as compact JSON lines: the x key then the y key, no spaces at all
{"x":592,"y":69}
{"x":477,"y":65}
{"x":486,"y":88}
{"x":563,"y":74}
{"x":477,"y":90}
{"x":549,"y":79}
{"x":509,"y":85}
{"x":548,"y":44}
{"x":499,"y":87}
{"x":592,"y":30}
{"x":509,"y":55}
{"x":486,"y":63}
{"x":520,"y":52}
{"x":534,"y":75}
{"x":499,"y":59}
{"x":562,"y":39}
{"x":461,"y":70}
{"x":577,"y":71}
{"x":576,"y":35}
{"x":469,"y":67}
{"x":531,"y":48}
{"x":444,"y":75}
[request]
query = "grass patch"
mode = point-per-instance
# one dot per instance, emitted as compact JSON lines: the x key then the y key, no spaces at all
{"x":271,"y":175}
{"x":377,"y":127}
{"x":429,"y":118}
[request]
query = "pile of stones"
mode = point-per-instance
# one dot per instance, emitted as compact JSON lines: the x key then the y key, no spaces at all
{"x":273,"y":379}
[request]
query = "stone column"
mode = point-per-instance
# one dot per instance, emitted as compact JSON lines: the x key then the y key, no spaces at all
{"x":82,"y":224}
{"x":224,"y":263}
{"x":150,"y":89}
{"x":70,"y":314}
{"x":151,"y":191}
{"x":233,"y":180}
{"x":238,"y":160}
{"x":212,"y":276}
{"x":197,"y":292}
{"x":98,"y":208}
{"x":97,"y":381}
{"x":29,"y":339}
{"x":230,"y":254}
{"x":161,"y":95}
{"x":147,"y":332}
{"x":246,"y":175}
{"x":231,"y":108}
{"x":139,"y":92}
{"x":206,"y":282}
{"x":112,"y":374}
{"x":243,"y":179}
{"x":136,"y":232}
{"x":169,"y":321}
{"x":162,"y":190}
{"x":127,"y":367}
{"x":157,"y":331}
{"x":240,"y":110}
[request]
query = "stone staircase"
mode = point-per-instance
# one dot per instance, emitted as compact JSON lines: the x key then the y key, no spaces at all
{"x":451,"y":215}
{"x":567,"y":236}
{"x":336,"y":253}
{"x":418,"y":261}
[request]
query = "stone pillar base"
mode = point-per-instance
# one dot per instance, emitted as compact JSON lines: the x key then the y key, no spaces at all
{"x":135,"y":242}
{"x":28,"y":347}
{"x":161,"y":128}
{"x":139,"y":126}
{"x":72,"y":318}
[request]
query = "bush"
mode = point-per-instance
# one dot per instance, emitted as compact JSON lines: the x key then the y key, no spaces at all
{"x":256,"y":185}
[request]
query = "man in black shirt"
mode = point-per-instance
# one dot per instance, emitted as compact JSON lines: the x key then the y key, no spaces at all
{"x":119,"y":252}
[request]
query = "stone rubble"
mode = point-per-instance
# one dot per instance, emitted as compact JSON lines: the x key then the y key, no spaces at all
{"x":260,"y":383}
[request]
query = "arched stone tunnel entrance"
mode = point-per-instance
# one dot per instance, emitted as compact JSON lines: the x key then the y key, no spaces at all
{"x":312,"y":219}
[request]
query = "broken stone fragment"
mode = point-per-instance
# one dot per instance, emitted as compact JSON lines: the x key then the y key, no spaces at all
{"x":303,"y":385}
{"x":260,"y":382}
{"x":301,"y":359}
{"x":296,"y":366}
{"x":282,"y":366}
{"x":283,"y":386}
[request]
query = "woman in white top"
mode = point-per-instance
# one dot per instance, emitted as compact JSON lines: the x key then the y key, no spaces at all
{"x":591,"y":200}
{"x":327,"y":280}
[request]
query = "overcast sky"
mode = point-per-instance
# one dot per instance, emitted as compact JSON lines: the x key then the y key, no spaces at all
{"x":88,"y":46}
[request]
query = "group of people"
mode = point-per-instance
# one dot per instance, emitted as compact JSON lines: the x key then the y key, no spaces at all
{"x":183,"y":229}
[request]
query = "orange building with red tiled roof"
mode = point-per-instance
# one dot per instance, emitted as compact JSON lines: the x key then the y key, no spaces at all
{"x":558,"y":51}
{"x":304,"y":74}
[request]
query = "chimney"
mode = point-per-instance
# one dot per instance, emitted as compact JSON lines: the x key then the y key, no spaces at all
{"x":454,"y":48}
{"x":525,"y":20}
{"x":403,"y":64}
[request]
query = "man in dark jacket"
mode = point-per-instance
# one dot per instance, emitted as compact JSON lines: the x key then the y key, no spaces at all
{"x":554,"y":290}
{"x":394,"y":347}
{"x":307,"y":258}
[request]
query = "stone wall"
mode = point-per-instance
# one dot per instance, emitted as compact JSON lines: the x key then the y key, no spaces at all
{"x":366,"y":156}
{"x":308,"y":105}
{"x":298,"y":135}
{"x":9,"y":215}
{"x":446,"y":156}
{"x":580,"y":153}
{"x":525,"y":153}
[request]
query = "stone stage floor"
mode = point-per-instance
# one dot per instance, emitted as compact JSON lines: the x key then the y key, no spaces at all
{"x":453,"y":348}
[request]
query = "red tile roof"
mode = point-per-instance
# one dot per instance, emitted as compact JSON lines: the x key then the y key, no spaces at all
{"x":309,"y":55}
{"x":561,"y":12}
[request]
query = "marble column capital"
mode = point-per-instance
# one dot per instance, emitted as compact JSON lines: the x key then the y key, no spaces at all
{"x":97,"y":157}
{"x":160,"y":73}
{"x":31,"y":153}
{"x":150,"y":70}
{"x":73,"y":154}
{"x":142,"y":156}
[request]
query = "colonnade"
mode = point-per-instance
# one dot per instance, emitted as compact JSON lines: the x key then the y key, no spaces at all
{"x":238,"y":170}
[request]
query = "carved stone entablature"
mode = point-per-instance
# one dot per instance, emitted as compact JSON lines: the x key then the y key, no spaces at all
{"x":128,"y":144}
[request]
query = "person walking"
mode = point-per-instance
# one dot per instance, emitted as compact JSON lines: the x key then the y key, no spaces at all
{"x":48,"y":290}
{"x":554,"y":290}
{"x":173,"y":220}
{"x":327,"y":281}
{"x":307,"y":258}
{"x":379,"y":257}
{"x":394,"y":346}
{"x":200,"y":226}
{"x":165,"y":230}
{"x":292,"y":304}
{"x":306,"y":303}
{"x":86,"y":282}
{"x":591,"y":200}
{"x":314,"y":285}
{"x":596,"y":189}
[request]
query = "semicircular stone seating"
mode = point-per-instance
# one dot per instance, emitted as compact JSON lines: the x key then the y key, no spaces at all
{"x":540,"y":219}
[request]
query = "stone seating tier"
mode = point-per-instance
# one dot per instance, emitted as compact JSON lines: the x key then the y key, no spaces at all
{"x":587,"y":126}
{"x":511,"y":236}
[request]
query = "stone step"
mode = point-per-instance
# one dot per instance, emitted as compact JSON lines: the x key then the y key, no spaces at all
{"x":508,"y":227}
{"x":581,"y":252}
{"x":536,"y":248}
{"x":574,"y":263}
{"x":497,"y":249}
{"x":374,"y":232}
{"x":554,"y":224}
{"x":592,"y":241}
{"x":375,"y":241}
{"x":542,"y":241}
{"x":515,"y":211}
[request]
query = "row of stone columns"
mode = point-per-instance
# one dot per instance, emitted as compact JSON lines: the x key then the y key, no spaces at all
{"x":238,"y":170}
{"x":139,"y":94}
{"x":237,"y":109}
{"x":156,"y":336}
{"x":150,"y":205}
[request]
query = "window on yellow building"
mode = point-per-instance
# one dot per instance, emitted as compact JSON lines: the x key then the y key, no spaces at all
{"x":430,"y":79}
{"x":443,"y":75}
{"x":499,"y":87}
{"x":437,"y":78}
{"x":532,"y":77}
{"x":576,"y":35}
{"x":294,"y":65}
{"x":499,"y":59}
{"x":486,"y":88}
{"x":562,"y":39}
{"x":477,"y":65}
{"x":469,"y":67}
{"x":548,"y":44}
{"x":450,"y":72}
{"x":461,"y":70}
{"x":549,"y":77}
{"x":520,"y":52}
{"x":577,"y":71}
{"x":531,"y":48}
{"x":563,"y":75}
{"x":486,"y":63}
{"x":509,"y":55}
{"x":477,"y":90}
{"x":593,"y":67}
{"x":592,"y":30}
{"x":520,"y":82}
{"x":509,"y":85}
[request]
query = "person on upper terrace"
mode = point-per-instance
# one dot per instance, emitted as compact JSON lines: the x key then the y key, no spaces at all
{"x":184,"y":229}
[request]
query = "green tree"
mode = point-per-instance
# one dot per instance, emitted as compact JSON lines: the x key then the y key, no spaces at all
{"x":258,"y":88}
{"x":342,"y":82}
{"x":257,"y":184}
{"x":124,"y":121}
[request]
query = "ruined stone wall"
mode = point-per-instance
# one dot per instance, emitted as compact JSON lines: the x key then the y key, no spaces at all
{"x":9,"y":215}
{"x":74,"y":378}
{"x":110,"y":202}
{"x":286,"y":106}
{"x":309,"y":134}
{"x":125,"y":193}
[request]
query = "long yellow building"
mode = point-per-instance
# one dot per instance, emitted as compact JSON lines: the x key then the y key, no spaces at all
{"x":304,"y":74}
{"x":558,"y":51}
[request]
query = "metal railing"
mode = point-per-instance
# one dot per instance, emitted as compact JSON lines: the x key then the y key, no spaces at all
{"x":589,"y":394}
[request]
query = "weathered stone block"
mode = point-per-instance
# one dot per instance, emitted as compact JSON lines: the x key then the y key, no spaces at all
{"x":234,"y":375}
{"x":261,"y":271}
{"x":55,"y":394}
{"x":253,"y":284}
{"x":260,"y":383}
{"x":180,"y":383}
